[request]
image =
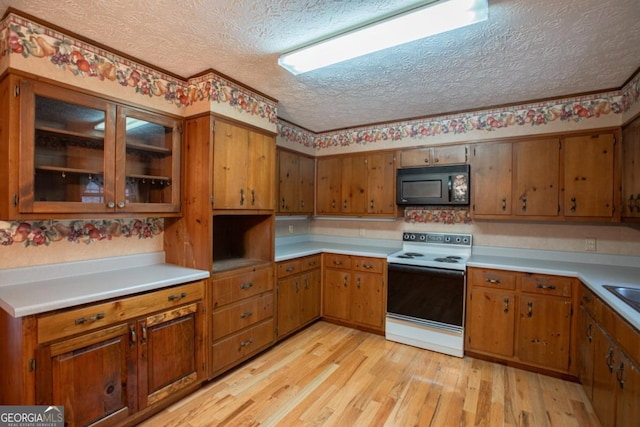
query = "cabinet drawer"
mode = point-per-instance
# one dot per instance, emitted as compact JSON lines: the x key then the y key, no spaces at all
{"x":240,"y":315}
{"x":70,"y":322}
{"x":499,"y":279}
{"x":235,"y":288}
{"x":287,"y":268}
{"x":310,"y":262}
{"x":546,"y":285}
{"x":236,"y":347}
{"x":587,"y":299}
{"x":371,"y":265}
{"x":337,"y":261}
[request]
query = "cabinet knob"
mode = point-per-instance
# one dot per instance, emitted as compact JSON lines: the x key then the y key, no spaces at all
{"x":120,"y":205}
{"x":111,"y":205}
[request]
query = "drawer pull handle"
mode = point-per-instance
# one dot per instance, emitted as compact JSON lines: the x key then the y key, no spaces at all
{"x":506,"y":305}
{"x":609,"y":360}
{"x":246,"y":343}
{"x":290,"y":269}
{"x":589,"y":332}
{"x":586,"y":298}
{"x":542,"y":286}
{"x":144,"y":333}
{"x":493,"y":281}
{"x":91,"y":319}
{"x":368,"y":266}
{"x":246,"y":285}
{"x":247,"y":314}
{"x":177,"y":297}
{"x":620,"y":375}
{"x":132,"y":336}
{"x":337,"y":262}
{"x":241,"y":196}
{"x":311,"y":263}
{"x":529,"y":309}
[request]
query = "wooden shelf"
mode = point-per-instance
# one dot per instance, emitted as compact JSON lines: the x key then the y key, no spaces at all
{"x":68,"y":170}
{"x":149,"y":148}
{"x":64,"y":132}
{"x":150,"y":177}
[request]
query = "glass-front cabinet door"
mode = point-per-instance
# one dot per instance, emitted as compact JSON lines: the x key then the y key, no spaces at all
{"x":65,"y":141}
{"x":150,"y":144}
{"x":83,"y":154}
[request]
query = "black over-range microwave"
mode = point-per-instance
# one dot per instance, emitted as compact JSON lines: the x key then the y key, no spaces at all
{"x":435,"y":185}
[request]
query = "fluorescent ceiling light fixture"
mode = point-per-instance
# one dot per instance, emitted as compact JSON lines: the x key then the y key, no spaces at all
{"x":433,"y":18}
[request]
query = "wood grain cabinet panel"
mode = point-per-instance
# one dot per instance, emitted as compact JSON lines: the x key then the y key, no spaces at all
{"x":491,"y":178}
{"x":296,"y":183}
{"x":631,"y":171}
{"x":490,"y":323}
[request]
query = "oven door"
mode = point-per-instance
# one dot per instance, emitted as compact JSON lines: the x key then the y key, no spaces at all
{"x":426,"y":295}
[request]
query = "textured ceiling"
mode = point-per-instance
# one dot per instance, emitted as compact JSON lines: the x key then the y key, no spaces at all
{"x":528,"y":49}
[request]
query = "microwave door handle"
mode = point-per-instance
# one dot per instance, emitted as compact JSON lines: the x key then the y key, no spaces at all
{"x":450,"y":184}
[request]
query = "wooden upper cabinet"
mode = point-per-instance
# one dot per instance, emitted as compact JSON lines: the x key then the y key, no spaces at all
{"x":329,"y":176}
{"x":434,"y":156}
{"x":81,"y":154}
{"x":491,"y":178}
{"x":631,"y":170}
{"x":361,"y":184}
{"x":243,"y":168}
{"x":589,"y":180}
{"x":296,"y":183}
{"x":536,"y":172}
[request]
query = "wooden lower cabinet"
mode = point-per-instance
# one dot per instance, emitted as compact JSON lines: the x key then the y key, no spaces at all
{"x":522,"y":318}
{"x":354,"y":291}
{"x":242,"y":322}
{"x":609,"y":349}
{"x":124,"y":362}
{"x":298,"y":294}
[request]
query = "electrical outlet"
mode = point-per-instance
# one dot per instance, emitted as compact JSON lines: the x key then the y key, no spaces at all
{"x":590,"y":244}
{"x":361,"y":232}
{"x":290,"y":229}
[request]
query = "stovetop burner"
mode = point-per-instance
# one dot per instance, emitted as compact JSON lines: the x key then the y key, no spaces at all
{"x":434,"y":250}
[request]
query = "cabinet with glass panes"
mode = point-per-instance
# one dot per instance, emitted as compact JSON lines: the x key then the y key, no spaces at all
{"x":83,"y":154}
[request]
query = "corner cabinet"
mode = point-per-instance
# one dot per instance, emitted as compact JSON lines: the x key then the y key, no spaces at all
{"x":107,"y":362}
{"x":296,"y":183}
{"x":523,"y":318}
{"x":79,"y":154}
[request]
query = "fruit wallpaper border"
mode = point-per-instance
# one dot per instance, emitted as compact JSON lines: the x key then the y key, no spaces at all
{"x":450,"y":216}
{"x":44,"y":233}
{"x":19,"y":36}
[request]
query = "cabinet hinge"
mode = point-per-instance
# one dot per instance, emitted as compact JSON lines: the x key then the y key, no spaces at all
{"x":32,"y":365}
{"x":179,"y":129}
{"x":614,"y":140}
{"x":16,"y":91}
{"x":15,"y":200}
{"x":466,"y":154}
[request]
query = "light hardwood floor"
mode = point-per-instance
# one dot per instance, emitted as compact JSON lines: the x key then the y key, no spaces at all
{"x":329,"y":375}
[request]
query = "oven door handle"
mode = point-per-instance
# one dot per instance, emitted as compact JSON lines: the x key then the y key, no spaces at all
{"x":422,"y":269}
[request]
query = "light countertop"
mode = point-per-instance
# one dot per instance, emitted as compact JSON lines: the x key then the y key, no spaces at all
{"x":298,"y":246}
{"x":32,"y":290}
{"x":594,"y":270}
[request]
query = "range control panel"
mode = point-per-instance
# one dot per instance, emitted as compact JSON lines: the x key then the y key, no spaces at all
{"x":438,"y":238}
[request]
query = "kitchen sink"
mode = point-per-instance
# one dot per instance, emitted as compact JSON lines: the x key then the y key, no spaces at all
{"x":629,"y":295}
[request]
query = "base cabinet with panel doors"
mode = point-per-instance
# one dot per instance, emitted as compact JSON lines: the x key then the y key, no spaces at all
{"x":434,"y":156}
{"x":296,"y":183}
{"x":608,"y":356}
{"x":80,"y":154}
{"x":631,"y":171}
{"x":523,"y":318}
{"x":113,"y":362}
{"x":571,"y":177}
{"x":298,"y":290}
{"x":362,"y":184}
{"x":242,"y":322}
{"x":354,"y":291}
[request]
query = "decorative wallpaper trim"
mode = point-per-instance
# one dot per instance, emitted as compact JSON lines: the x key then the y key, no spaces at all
{"x":39,"y":233}
{"x":538,"y":114}
{"x":456,"y":215}
{"x":33,"y":41}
